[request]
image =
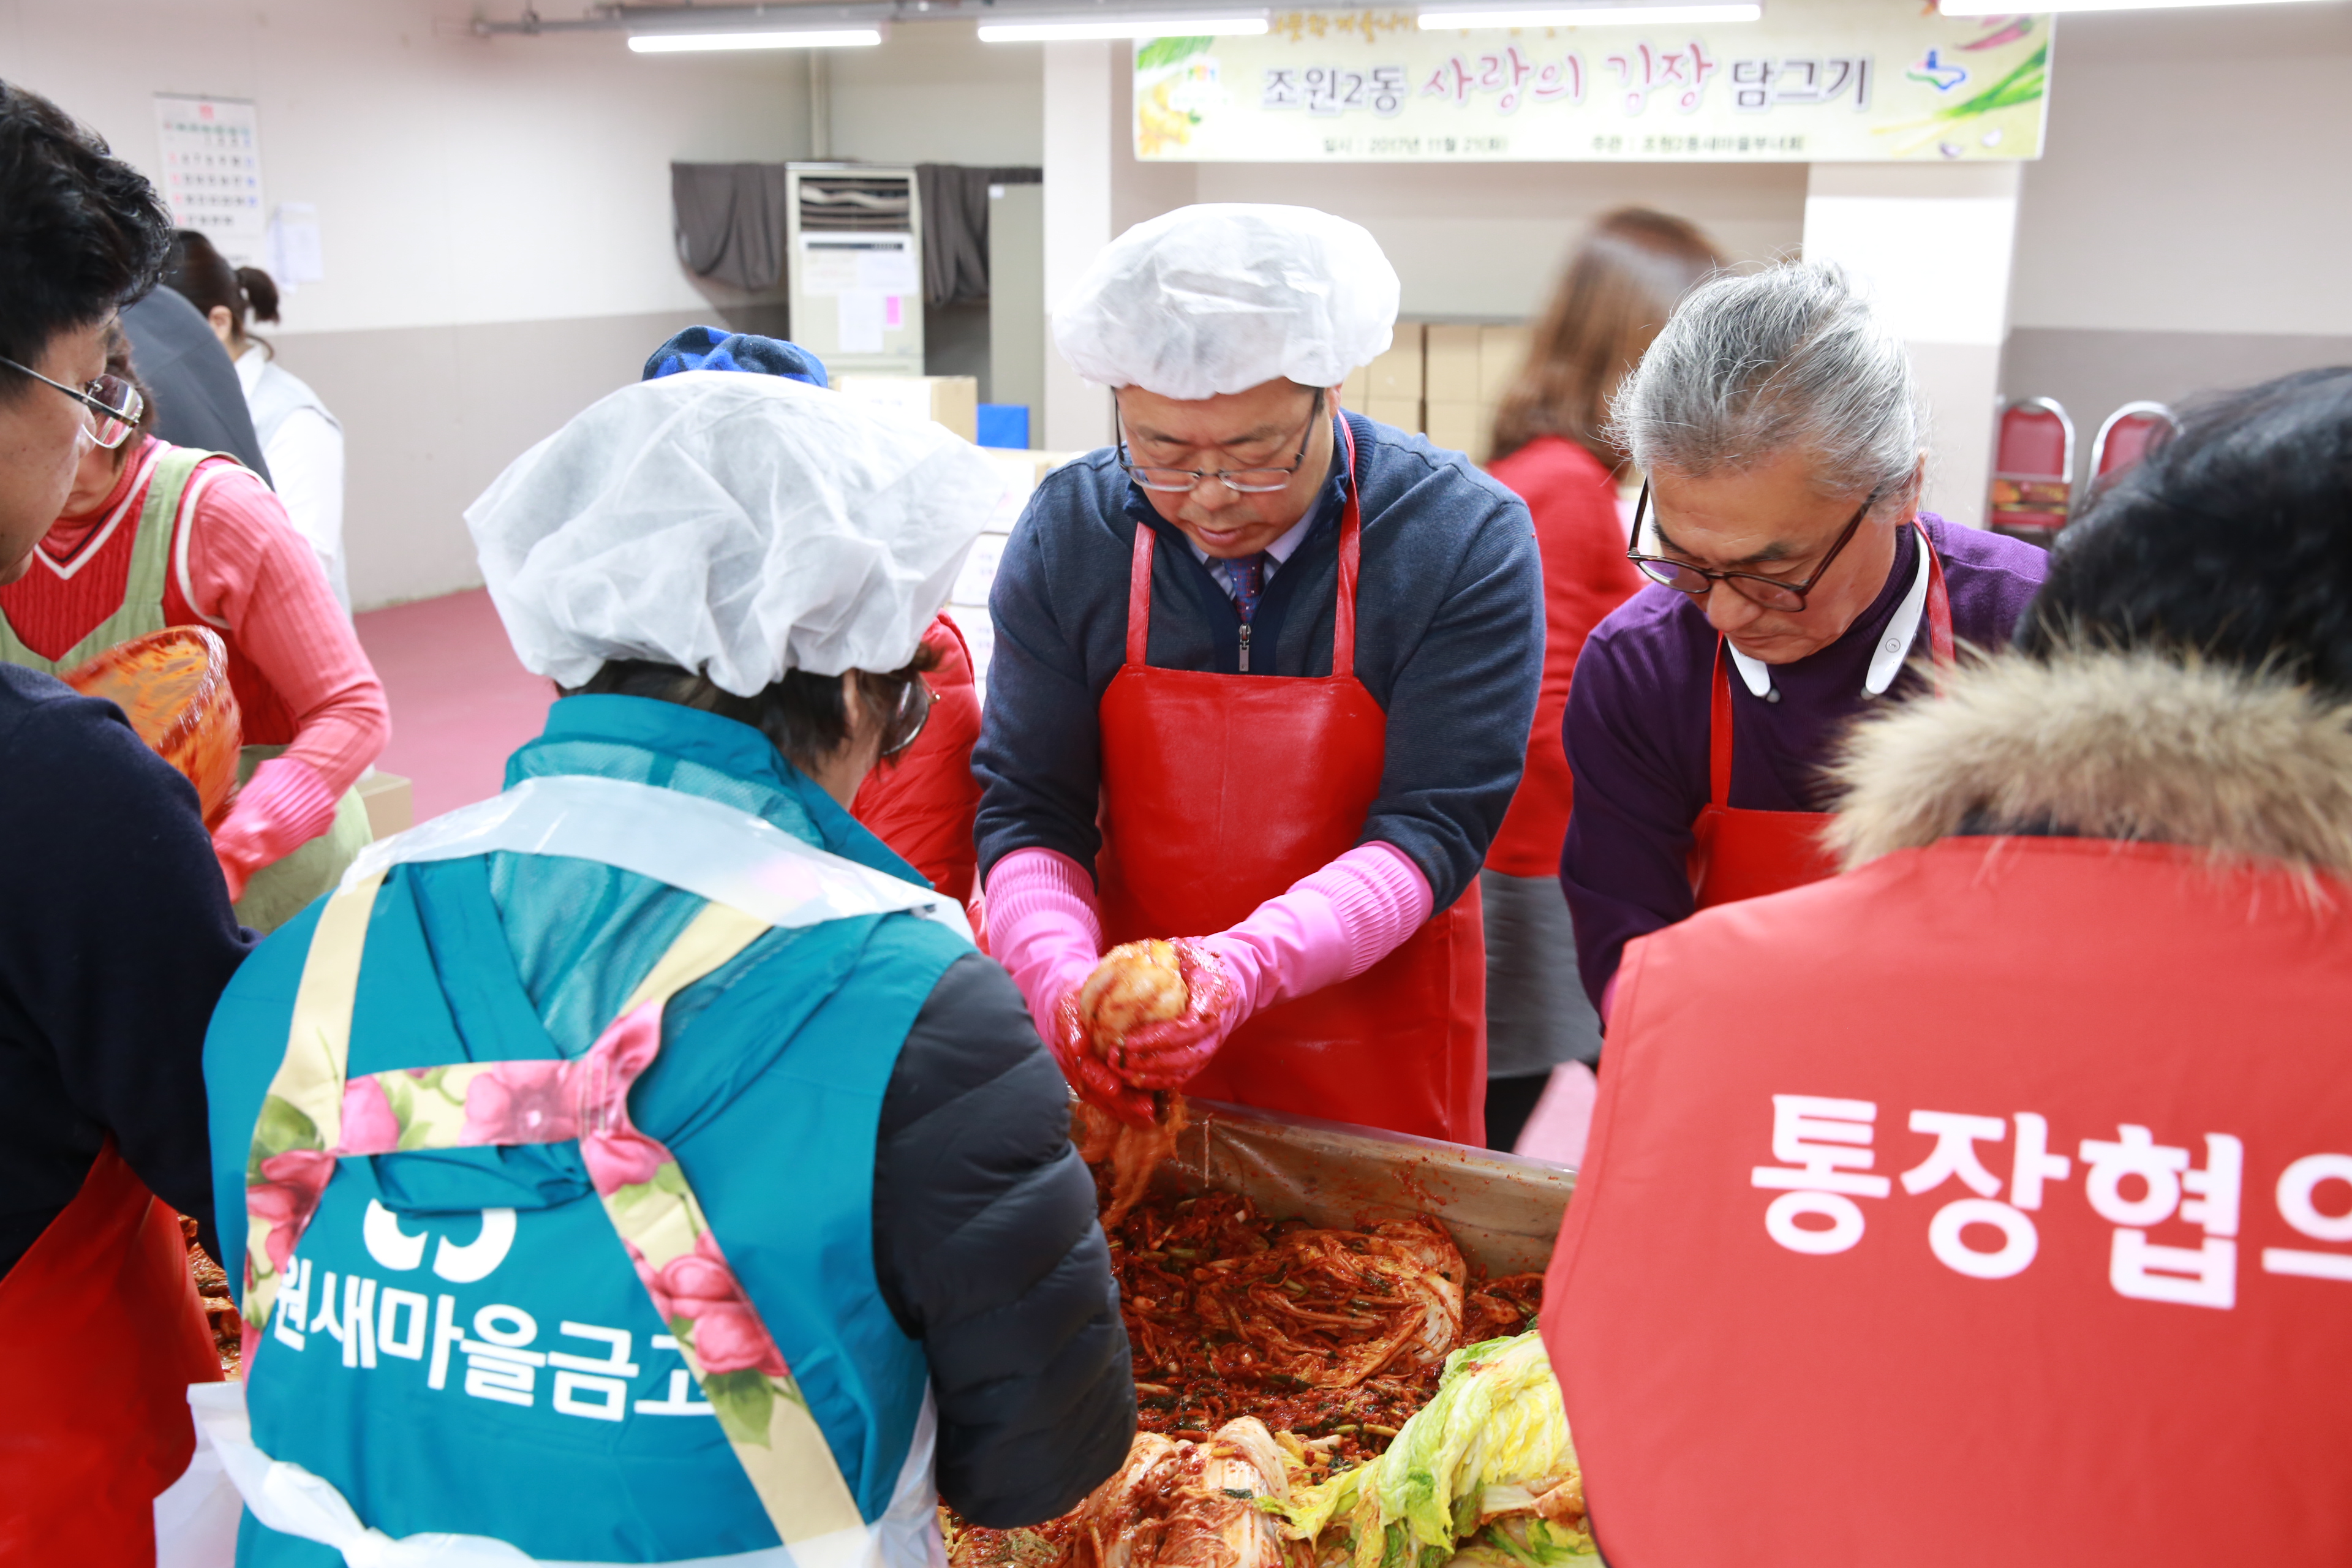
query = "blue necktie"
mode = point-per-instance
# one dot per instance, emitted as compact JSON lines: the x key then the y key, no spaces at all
{"x":1248,"y":578}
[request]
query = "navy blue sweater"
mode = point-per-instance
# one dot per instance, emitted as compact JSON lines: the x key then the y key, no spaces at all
{"x":1449,"y":641}
{"x":115,"y":940}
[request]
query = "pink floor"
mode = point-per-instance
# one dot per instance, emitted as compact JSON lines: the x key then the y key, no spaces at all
{"x":460,"y":703}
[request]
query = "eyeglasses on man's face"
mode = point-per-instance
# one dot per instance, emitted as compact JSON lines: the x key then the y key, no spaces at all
{"x":111,"y":406}
{"x":1771,"y":593}
{"x":1248,"y":481}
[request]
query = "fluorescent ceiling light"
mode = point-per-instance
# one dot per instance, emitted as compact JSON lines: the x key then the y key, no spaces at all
{"x":1056,"y":30}
{"x":1993,"y":8}
{"x":1442,"y":19}
{"x":695,"y":43}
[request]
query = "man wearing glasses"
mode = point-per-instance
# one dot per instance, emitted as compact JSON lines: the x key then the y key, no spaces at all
{"x":1797,"y":582}
{"x":115,"y":931}
{"x":1262,"y":679}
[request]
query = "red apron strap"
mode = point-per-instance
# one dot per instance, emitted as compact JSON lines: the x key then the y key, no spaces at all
{"x":1939,"y":606}
{"x":1139,"y":596}
{"x":1352,"y":529}
{"x":1718,"y":733}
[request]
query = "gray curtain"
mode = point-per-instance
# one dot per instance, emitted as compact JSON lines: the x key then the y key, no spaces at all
{"x":730,"y":222}
{"x":955,"y":228}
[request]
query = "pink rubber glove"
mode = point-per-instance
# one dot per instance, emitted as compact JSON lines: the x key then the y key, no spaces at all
{"x":1096,"y":1080}
{"x":1329,"y":926}
{"x":1045,"y":928}
{"x":284,"y":805}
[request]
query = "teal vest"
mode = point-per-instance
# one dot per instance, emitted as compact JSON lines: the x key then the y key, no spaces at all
{"x":466,"y":1348}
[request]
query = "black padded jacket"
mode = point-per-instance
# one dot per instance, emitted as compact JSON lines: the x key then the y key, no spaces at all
{"x":987,"y":1251}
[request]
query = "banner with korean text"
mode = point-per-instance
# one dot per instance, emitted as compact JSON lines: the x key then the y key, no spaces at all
{"x":1815,"y":81}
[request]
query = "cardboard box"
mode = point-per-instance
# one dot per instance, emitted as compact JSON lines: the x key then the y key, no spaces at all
{"x":1356,"y":390}
{"x":1404,"y":414}
{"x":953,"y":400}
{"x":1501,"y":351}
{"x":1395,"y":376}
{"x":391,"y":803}
{"x":1451,"y":375}
{"x":1459,"y":427}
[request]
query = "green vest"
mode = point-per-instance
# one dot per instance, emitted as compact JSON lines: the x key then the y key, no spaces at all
{"x":142,"y":609}
{"x":276,"y":892}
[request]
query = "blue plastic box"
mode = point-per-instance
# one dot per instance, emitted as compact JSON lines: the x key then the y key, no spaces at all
{"x":1004,"y":424}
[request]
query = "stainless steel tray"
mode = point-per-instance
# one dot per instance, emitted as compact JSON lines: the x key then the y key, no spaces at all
{"x":1503,"y":1209}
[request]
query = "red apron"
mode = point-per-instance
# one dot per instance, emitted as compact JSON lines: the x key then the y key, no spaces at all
{"x":1221,"y":791}
{"x":1738,"y":854}
{"x":103,"y":1336}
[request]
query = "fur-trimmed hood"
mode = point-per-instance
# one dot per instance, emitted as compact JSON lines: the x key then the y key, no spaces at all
{"x":2107,"y":745}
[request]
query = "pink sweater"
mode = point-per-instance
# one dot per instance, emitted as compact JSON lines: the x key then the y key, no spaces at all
{"x":246,"y":574}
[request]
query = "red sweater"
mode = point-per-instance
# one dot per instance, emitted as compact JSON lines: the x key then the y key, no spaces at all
{"x":1585,"y":575}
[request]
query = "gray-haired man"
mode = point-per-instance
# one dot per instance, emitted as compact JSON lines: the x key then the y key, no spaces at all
{"x":1794,"y":582}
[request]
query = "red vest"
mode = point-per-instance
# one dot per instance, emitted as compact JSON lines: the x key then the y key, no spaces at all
{"x":922,"y":803}
{"x":50,"y":613}
{"x":1992,"y":1204}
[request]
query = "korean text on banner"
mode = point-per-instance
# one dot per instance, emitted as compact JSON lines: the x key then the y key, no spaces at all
{"x":1815,"y":81}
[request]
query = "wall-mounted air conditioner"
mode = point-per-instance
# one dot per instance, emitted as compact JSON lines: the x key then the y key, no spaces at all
{"x":853,"y":240}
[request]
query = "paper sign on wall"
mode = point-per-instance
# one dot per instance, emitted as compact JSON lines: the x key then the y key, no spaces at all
{"x":1815,"y":81}
{"x":210,"y":150}
{"x":295,"y":257}
{"x":861,"y":320}
{"x":877,"y":263}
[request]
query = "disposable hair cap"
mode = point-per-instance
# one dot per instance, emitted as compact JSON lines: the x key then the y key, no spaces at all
{"x":1223,"y":297}
{"x":736,"y":525}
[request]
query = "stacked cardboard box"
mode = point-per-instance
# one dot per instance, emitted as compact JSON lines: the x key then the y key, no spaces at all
{"x":1020,"y":473}
{"x":1389,"y":389}
{"x":1446,"y":379}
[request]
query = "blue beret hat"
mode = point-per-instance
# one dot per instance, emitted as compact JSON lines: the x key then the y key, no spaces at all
{"x":708,"y":348}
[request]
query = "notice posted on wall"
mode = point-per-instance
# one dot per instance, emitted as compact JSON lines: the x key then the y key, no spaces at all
{"x":211,"y":160}
{"x":295,"y":255}
{"x":1814,"y":81}
{"x":877,"y":263}
{"x":861,"y":313}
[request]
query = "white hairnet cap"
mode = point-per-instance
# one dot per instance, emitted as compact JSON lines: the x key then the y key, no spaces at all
{"x":1225,"y":297}
{"x":737,"y":525}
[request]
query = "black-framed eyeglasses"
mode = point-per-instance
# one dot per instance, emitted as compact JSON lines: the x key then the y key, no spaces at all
{"x":914,"y":712}
{"x":111,"y":405}
{"x":1772,"y":592}
{"x":1248,"y":481}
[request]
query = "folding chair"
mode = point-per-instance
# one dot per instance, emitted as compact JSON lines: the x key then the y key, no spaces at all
{"x":2033,"y":467}
{"x":2130,"y":433}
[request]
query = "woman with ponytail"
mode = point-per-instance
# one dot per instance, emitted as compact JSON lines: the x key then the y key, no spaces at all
{"x":300,"y":440}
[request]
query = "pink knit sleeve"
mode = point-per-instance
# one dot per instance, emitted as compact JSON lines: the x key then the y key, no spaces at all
{"x":1332,"y":925}
{"x":249,"y":572}
{"x":1043,"y":925}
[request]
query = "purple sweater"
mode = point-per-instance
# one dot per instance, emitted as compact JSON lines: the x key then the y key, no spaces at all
{"x":1636,"y":730}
